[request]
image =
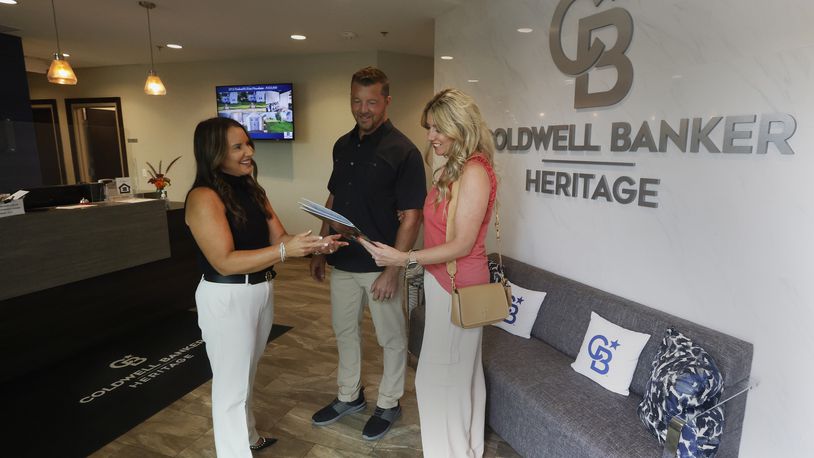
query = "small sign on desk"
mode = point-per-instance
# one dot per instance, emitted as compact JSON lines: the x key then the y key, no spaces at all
{"x":125,"y":186}
{"x":13,"y":207}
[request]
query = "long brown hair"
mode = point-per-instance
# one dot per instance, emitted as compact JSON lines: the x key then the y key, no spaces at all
{"x":456,"y":115}
{"x":211,"y":147}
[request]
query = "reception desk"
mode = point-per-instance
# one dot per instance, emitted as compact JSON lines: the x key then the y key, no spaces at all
{"x":71,"y":278}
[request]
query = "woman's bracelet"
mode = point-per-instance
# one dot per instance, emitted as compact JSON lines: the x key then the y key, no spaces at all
{"x":282,"y":252}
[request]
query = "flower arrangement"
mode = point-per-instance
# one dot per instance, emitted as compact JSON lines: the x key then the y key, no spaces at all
{"x":158,"y":178}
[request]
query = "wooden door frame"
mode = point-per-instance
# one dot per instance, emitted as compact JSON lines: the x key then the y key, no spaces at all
{"x":52,"y":103}
{"x":69,"y":103}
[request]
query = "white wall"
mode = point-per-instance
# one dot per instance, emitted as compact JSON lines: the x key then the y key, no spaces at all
{"x":730,"y":244}
{"x":164,"y":125}
{"x":411,"y":83}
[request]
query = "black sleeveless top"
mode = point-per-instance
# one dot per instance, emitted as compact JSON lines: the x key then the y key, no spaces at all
{"x":252,"y":235}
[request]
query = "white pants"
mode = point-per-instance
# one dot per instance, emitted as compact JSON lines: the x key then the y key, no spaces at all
{"x":449,"y":383}
{"x":235,"y":320}
{"x":348,"y":290}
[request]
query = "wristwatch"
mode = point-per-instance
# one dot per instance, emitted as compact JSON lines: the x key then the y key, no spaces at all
{"x":412,"y":263}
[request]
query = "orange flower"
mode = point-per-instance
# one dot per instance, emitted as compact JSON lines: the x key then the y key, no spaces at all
{"x":157,"y":178}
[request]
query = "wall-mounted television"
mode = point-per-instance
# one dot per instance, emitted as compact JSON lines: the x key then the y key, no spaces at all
{"x":265,"y":110}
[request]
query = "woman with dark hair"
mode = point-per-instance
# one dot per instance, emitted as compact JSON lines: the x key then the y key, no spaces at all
{"x":239,"y":238}
{"x":449,"y":382}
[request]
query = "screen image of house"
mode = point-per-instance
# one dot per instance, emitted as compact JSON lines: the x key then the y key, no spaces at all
{"x":261,"y":110}
{"x":278,"y":116}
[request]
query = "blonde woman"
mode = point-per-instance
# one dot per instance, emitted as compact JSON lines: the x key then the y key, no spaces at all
{"x":449,"y":380}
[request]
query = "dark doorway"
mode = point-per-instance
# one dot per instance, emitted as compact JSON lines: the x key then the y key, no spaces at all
{"x":97,"y":138}
{"x":49,"y":141}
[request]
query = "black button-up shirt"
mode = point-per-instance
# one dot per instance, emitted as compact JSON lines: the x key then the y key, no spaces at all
{"x":372,"y":179}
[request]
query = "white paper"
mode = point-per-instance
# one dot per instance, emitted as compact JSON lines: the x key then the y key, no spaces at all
{"x":338,"y":222}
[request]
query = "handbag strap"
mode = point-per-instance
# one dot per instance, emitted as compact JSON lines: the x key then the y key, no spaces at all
{"x":452,"y":266}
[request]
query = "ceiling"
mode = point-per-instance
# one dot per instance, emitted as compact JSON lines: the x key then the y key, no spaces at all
{"x":114,"y":32}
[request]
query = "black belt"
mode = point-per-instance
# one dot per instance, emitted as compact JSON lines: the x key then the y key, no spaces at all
{"x":253,"y":279}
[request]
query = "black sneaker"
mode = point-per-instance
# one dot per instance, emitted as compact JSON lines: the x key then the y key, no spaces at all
{"x":380,"y":422}
{"x":338,"y":409}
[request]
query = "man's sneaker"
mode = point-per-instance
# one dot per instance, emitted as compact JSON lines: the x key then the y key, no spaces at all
{"x":380,"y":422}
{"x":338,"y":409}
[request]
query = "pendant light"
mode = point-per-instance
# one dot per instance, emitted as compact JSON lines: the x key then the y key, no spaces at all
{"x":153,"y":85}
{"x":60,"y":71}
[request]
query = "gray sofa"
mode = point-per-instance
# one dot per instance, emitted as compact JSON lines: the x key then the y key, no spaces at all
{"x":543,"y":408}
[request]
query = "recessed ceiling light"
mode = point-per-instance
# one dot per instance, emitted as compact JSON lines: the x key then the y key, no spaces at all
{"x":525,"y":30}
{"x":677,"y":77}
{"x":447,"y":57}
{"x":298,"y":37}
{"x":472,"y":81}
{"x":174,"y":46}
{"x":349,"y":35}
{"x":9,"y":2}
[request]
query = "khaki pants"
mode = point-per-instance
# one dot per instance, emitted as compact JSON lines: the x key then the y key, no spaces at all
{"x":449,"y":383}
{"x":348,"y":291}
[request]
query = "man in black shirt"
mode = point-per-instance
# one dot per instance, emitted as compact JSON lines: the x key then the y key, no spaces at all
{"x":377,"y":175}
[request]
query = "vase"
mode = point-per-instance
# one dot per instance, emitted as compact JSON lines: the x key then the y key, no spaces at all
{"x":162,"y":194}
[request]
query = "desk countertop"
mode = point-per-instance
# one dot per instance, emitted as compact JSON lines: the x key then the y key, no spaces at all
{"x":46,"y":248}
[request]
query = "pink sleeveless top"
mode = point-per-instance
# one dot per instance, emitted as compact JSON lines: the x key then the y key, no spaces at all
{"x":472,"y":268}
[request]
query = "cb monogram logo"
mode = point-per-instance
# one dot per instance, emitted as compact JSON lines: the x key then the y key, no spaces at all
{"x":601,"y":354}
{"x":594,"y":53}
{"x":128,"y":360}
{"x":515,"y":307}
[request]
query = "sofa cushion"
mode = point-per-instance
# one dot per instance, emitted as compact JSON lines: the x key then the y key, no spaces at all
{"x":523,"y":312}
{"x":543,"y":408}
{"x":609,"y":354}
{"x":568,"y":305}
{"x":701,"y":436}
{"x":495,"y":271}
{"x":684,"y":382}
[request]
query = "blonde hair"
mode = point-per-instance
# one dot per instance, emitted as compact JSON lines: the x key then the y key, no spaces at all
{"x":456,"y":115}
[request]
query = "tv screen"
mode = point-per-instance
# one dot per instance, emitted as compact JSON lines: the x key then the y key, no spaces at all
{"x":265,"y":110}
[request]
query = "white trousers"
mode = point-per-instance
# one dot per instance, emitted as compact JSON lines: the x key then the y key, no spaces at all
{"x":348,"y":291}
{"x":449,"y":383}
{"x":235,"y":321}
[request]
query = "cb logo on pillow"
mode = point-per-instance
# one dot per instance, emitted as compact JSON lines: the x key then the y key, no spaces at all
{"x":516,"y":301}
{"x":600,"y":353}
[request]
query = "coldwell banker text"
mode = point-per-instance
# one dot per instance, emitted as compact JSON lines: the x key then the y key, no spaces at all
{"x":743,"y":134}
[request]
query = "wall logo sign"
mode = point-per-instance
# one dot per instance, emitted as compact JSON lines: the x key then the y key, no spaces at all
{"x":601,"y":354}
{"x":738,"y":134}
{"x":594,"y":53}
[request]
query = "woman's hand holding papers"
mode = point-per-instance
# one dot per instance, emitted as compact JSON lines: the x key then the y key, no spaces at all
{"x":384,"y":255}
{"x":305,"y":243}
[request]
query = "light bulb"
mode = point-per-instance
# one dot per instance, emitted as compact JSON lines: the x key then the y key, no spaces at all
{"x":153,"y":85}
{"x":60,"y":72}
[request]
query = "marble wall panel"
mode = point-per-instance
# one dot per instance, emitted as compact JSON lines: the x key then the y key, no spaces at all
{"x":730,"y":243}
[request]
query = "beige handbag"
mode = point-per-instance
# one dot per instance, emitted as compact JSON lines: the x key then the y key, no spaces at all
{"x":477,"y":305}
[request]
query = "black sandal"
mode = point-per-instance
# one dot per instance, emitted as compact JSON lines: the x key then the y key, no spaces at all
{"x":263,"y":443}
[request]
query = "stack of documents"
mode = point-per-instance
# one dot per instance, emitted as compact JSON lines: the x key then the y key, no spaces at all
{"x":336,"y":221}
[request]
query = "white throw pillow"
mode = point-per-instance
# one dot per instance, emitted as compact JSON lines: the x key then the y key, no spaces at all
{"x":525,"y":305}
{"x":609,"y":354}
